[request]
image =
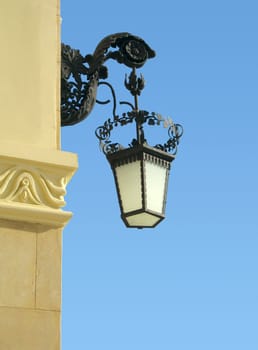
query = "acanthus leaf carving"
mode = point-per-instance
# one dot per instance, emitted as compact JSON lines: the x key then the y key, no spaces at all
{"x":32,"y":187}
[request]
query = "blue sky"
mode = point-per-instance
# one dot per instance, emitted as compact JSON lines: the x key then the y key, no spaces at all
{"x":192,"y":282}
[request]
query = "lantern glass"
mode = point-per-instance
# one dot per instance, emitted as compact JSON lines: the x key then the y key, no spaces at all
{"x":155,"y":186}
{"x":130,"y":187}
{"x":141,"y":176}
{"x":142,"y":220}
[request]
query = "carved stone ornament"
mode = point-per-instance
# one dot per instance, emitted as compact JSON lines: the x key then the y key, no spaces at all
{"x":32,"y":187}
{"x":78,"y":96}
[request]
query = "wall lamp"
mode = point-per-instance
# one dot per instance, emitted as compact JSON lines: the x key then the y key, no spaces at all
{"x":141,"y":171}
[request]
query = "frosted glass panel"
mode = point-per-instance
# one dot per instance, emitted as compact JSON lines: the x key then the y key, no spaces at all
{"x":129,"y":183}
{"x":142,"y":219}
{"x":155,"y":186}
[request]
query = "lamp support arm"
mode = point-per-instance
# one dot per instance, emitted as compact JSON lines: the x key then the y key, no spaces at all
{"x":78,"y":96}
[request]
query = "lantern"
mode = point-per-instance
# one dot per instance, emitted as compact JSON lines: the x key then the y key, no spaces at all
{"x":141,"y":177}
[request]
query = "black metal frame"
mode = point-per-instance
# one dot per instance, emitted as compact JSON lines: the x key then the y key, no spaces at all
{"x":80,"y":78}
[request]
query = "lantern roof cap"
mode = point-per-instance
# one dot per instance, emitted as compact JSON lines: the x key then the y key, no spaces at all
{"x":139,"y":150}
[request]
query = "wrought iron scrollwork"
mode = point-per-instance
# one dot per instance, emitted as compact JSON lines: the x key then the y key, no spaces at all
{"x":80,"y":78}
{"x":135,"y":85}
{"x":80,"y":74}
{"x":103,"y":132}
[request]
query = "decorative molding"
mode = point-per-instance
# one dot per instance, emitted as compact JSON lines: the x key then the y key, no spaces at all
{"x":33,"y":184}
{"x":34,"y":214}
{"x":32,"y":187}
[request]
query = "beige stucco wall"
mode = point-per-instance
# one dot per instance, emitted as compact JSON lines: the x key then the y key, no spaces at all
{"x":34,"y":173}
{"x":30,"y":286}
{"x":29,"y":39}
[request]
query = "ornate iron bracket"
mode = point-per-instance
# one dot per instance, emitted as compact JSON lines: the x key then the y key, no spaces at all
{"x":78,"y":96}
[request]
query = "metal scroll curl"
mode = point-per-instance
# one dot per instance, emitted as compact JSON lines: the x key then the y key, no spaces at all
{"x":103,"y":132}
{"x":80,"y":74}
